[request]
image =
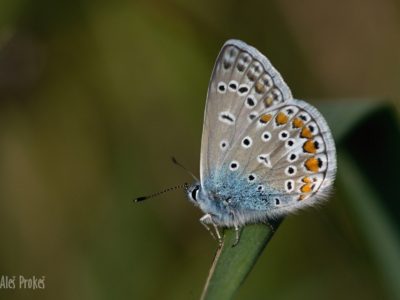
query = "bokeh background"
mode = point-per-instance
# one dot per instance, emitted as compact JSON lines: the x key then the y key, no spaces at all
{"x":95,"y":96}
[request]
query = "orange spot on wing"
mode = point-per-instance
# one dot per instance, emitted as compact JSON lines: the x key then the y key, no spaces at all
{"x":309,"y":146}
{"x":265,"y":118}
{"x":281,"y":118}
{"x":306,"y":133}
{"x":297,"y":123}
{"x":306,"y":188}
{"x":313,"y":164}
{"x":306,"y":180}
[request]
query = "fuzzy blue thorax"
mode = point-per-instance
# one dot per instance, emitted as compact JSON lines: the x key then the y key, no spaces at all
{"x":232,"y":200}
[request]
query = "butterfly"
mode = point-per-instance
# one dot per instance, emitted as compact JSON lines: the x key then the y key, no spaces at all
{"x":264,"y":154}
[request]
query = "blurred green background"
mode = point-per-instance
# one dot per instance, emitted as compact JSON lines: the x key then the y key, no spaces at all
{"x":95,"y":96}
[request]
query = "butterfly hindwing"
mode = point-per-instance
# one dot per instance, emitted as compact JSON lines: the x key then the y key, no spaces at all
{"x":291,"y":153}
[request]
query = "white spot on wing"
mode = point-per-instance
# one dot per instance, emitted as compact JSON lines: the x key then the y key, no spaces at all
{"x":252,"y":116}
{"x":291,"y":170}
{"x":234,"y":165}
{"x":221,"y":88}
{"x":292,"y":157}
{"x":227,"y":117}
{"x":223,"y":145}
{"x":289,"y":185}
{"x":233,"y":85}
{"x":265,"y":160}
{"x":251,"y":177}
{"x":266,"y":136}
{"x":305,"y":117}
{"x":243,"y":89}
{"x":251,"y":101}
{"x":290,"y":143}
{"x":283,"y":135}
{"x":247,"y":142}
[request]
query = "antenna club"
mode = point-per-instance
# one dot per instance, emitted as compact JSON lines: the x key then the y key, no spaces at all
{"x":140,"y":199}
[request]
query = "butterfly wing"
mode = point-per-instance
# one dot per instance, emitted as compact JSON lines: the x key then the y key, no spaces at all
{"x":243,"y":83}
{"x":270,"y":152}
{"x":291,"y":156}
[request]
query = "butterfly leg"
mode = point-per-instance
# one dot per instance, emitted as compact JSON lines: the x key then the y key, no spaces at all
{"x":269,"y":225}
{"x":218,"y":234}
{"x":238,"y":231}
{"x":204,"y":220}
{"x":207,"y":219}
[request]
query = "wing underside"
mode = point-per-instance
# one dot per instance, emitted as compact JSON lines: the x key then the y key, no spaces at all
{"x":254,"y":128}
{"x":243,"y":80}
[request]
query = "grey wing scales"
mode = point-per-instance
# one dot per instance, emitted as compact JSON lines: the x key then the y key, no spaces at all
{"x":243,"y":84}
{"x":292,"y":153}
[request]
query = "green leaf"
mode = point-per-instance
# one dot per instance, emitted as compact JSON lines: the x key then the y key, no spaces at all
{"x":232,"y":264}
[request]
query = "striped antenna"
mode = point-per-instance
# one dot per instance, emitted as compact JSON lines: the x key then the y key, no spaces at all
{"x":139,"y":199}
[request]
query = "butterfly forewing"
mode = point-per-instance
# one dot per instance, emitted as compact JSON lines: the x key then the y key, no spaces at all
{"x":243,"y":84}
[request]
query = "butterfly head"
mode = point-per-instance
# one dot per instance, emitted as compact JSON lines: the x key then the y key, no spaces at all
{"x":193,"y":193}
{"x":209,"y":202}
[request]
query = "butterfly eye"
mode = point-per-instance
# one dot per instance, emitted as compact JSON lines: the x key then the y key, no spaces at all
{"x":194,"y":193}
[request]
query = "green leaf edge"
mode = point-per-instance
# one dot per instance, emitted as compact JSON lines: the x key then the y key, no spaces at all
{"x":232,"y":264}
